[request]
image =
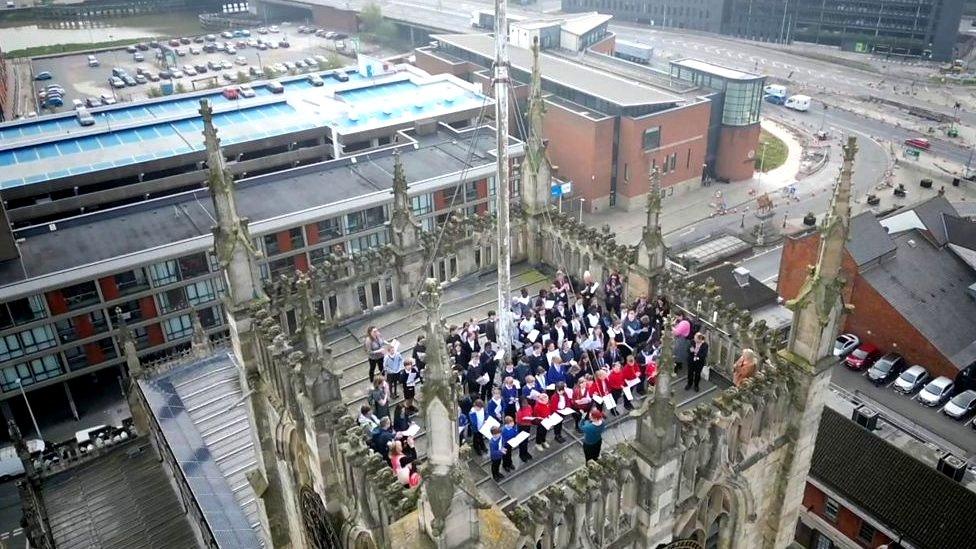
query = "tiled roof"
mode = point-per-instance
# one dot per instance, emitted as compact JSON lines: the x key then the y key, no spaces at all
{"x":928,"y":508}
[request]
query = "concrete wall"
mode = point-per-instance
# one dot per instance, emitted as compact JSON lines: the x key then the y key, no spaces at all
{"x":335,"y":19}
{"x":737,"y":150}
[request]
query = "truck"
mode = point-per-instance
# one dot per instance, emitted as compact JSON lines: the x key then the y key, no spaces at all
{"x":633,"y":51}
{"x":798,"y":103}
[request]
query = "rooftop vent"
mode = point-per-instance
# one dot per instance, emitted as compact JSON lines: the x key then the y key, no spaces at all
{"x":741,"y":275}
{"x":911,"y":242}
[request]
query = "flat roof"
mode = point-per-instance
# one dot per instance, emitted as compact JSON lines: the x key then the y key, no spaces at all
{"x":94,"y":237}
{"x":584,"y":23}
{"x":168,"y":129}
{"x":717,"y":70}
{"x":598,"y":83}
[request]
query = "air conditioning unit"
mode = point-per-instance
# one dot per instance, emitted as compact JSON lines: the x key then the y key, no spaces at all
{"x":866,"y":417}
{"x":952,"y":467}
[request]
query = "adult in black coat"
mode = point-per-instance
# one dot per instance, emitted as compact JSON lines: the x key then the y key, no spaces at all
{"x":697,"y":358}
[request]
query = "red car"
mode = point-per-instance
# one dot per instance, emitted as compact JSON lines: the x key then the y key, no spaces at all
{"x":231,"y":93}
{"x":863,"y":357}
{"x":918,"y":143}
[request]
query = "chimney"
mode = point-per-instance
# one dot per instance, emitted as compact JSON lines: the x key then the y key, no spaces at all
{"x":741,"y":275}
{"x":8,"y":245}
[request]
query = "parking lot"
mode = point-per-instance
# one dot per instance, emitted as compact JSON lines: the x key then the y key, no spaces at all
{"x":80,"y":81}
{"x":958,"y":433}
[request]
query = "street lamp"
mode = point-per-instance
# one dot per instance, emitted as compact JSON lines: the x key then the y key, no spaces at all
{"x":582,"y":200}
{"x":29,"y":409}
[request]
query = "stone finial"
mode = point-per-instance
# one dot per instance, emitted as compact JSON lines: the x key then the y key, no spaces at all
{"x":128,"y":346}
{"x":200,"y":343}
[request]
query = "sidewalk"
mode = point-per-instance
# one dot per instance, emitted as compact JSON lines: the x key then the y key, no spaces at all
{"x":691,"y":207}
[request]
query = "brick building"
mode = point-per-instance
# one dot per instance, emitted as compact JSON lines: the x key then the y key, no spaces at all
{"x":864,"y":492}
{"x":911,"y":278}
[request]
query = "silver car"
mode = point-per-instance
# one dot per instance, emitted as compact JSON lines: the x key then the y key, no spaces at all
{"x":911,"y":380}
{"x":845,"y":344}
{"x":936,"y":392}
{"x":961,"y":405}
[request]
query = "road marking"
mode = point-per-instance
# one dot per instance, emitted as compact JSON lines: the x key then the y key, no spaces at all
{"x":769,"y":279}
{"x":688,"y":232}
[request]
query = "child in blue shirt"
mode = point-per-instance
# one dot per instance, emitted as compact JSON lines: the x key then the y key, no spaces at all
{"x":496,"y":449}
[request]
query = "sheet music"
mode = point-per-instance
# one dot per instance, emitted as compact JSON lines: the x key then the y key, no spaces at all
{"x":628,"y":394}
{"x":487,"y":426}
{"x":518,"y":439}
{"x":412,"y":430}
{"x":567,"y":411}
{"x":552,"y":421}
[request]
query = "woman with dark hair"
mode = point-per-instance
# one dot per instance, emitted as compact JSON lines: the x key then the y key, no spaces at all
{"x":613,"y":291}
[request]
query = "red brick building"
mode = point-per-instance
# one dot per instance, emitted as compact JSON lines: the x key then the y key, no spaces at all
{"x":604,"y":132}
{"x":864,"y":492}
{"x":911,"y":278}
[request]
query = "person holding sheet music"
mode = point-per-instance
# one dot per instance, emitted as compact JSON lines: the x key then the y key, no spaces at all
{"x":632,"y":375}
{"x":525,"y":418}
{"x":559,"y":402}
{"x":509,"y":431}
{"x":496,"y":452}
{"x":420,"y":353}
{"x":556,"y":372}
{"x":633,"y":329}
{"x":411,"y":377}
{"x":476,"y":418}
{"x":489,"y":365}
{"x":496,"y":407}
{"x":469,"y":346}
{"x":561,"y":287}
{"x":612,"y":354}
{"x":475,"y":376}
{"x":616,"y":383}
{"x":532,"y":388}
{"x":698,"y":356}
{"x":488,"y":327}
{"x":589,"y":290}
{"x":510,"y":395}
{"x":541,"y":411}
{"x":581,"y":400}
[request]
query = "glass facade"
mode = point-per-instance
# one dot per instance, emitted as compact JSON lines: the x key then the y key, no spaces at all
{"x":742,"y":101}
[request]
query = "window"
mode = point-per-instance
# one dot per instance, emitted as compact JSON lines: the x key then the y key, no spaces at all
{"x":80,"y":295}
{"x":866,"y":532}
{"x":163,"y":273}
{"x":823,"y":542}
{"x":470,"y":191}
{"x":281,"y":266}
{"x":389,"y":290}
{"x":366,"y":219}
{"x":177,"y":327}
{"x":27,"y":342}
{"x":30,"y":372}
{"x":131,"y":311}
{"x":271,"y":244}
{"x":210,"y":317}
{"x":366,"y":242}
{"x":22,"y":311}
{"x":831,"y":508}
{"x":330,"y":228}
{"x":652,"y":138}
{"x":422,"y":205}
{"x":296,"y":237}
{"x":201,"y":292}
{"x":131,"y":282}
{"x":194,"y":265}
{"x":172,"y":300}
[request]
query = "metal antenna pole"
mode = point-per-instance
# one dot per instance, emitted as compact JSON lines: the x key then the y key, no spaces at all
{"x":502,"y":183}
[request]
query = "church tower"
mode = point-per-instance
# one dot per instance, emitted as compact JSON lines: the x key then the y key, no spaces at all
{"x":817,"y":314}
{"x":236,"y":254}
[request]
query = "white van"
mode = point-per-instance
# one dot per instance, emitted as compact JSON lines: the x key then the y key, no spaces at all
{"x":10,"y":465}
{"x":775,"y":90}
{"x":798,"y":103}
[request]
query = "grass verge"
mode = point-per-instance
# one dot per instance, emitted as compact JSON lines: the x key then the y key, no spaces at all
{"x":775,"y":154}
{"x":69,"y":48}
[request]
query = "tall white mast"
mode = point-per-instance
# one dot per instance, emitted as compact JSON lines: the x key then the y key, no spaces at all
{"x":504,"y":328}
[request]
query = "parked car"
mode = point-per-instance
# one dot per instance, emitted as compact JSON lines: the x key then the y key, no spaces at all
{"x":210,"y":38}
{"x":154,"y":43}
{"x":179,"y":52}
{"x":911,"y":380}
{"x":227,"y":34}
{"x":274,"y":28}
{"x":107,"y":99}
{"x":199,"y":40}
{"x":77,"y":104}
{"x":246,"y":90}
{"x":241,"y":60}
{"x":284,"y":44}
{"x":918,"y":143}
{"x":151,"y":77}
{"x":195,"y":50}
{"x":184,"y":40}
{"x":262,"y":30}
{"x":129,"y":81}
{"x":140,"y":79}
{"x":863,"y":357}
{"x":93,"y":61}
{"x":118,"y":71}
{"x":275,"y":87}
{"x":200,"y":68}
{"x":138,"y":57}
{"x":886,"y":368}
{"x":231,"y":50}
{"x":936,"y":391}
{"x":165,"y":74}
{"x":340,"y":36}
{"x":845,"y":344}
{"x":93,"y":102}
{"x":231,"y":93}
{"x":116,"y":82}
{"x":176,"y":73}
{"x":189,"y":70}
{"x":84,"y":117}
{"x":130,"y":49}
{"x":961,"y":406}
{"x":142,"y":46}
{"x":315,"y":80}
{"x":225,"y":64}
{"x":43,"y":75}
{"x":213,"y":65}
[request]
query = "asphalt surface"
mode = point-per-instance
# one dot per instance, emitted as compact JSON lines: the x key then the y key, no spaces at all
{"x":11,"y":535}
{"x":81,"y":81}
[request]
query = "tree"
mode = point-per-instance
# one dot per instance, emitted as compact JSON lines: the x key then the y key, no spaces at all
{"x":376,"y":26}
{"x":180,"y":87}
{"x":154,"y":92}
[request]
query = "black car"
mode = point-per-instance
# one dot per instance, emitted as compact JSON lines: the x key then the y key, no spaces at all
{"x":209,"y":47}
{"x":142,"y":46}
{"x":198,"y":40}
{"x":154,"y":43}
{"x":887,"y":368}
{"x":340,"y":36}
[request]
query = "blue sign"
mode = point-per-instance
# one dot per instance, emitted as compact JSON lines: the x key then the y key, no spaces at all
{"x":558,"y":190}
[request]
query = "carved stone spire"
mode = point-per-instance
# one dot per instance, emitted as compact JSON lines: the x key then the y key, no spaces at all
{"x":406,"y":228}
{"x":652,"y":251}
{"x":536,"y":170}
{"x":439,"y":410}
{"x":232,"y":240}
{"x":128,"y":346}
{"x":200,"y":343}
{"x":818,"y":307}
{"x":657,"y":427}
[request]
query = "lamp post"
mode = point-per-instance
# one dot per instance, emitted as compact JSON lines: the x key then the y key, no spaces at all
{"x":29,"y":409}
{"x":582,"y":200}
